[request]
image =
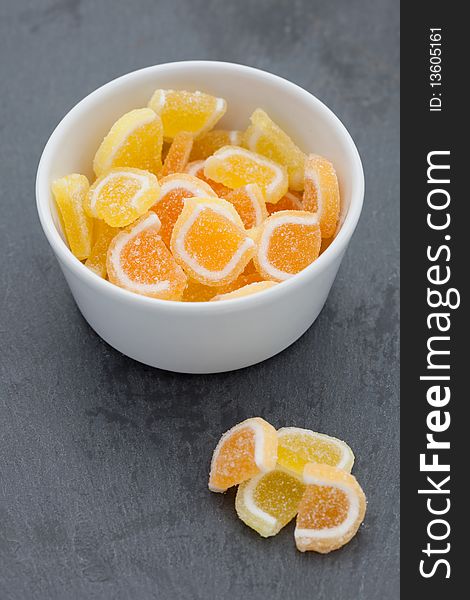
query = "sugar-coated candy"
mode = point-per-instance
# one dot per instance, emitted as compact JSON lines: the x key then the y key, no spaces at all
{"x":174,"y":189}
{"x":249,"y":204}
{"x":122,"y":195}
{"x":321,"y":193}
{"x":267,"y":138}
{"x":103,"y":234}
{"x":269,"y":501}
{"x":70,"y":193}
{"x":135,"y":140}
{"x":180,"y":110}
{"x":207,"y":144}
{"x":139,"y":261}
{"x":210,"y":242}
{"x":245,"y":450}
{"x":178,"y":154}
{"x":331,"y":510}
{"x":298,"y":446}
{"x":234,"y":167}
{"x":287,"y":242}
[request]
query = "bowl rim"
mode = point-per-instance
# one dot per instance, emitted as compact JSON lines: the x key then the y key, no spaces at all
{"x":88,"y":277}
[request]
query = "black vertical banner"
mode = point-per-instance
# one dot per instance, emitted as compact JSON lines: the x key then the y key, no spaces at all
{"x":435,"y":255}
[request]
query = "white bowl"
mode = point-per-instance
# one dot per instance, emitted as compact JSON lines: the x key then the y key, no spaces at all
{"x":206,"y":337}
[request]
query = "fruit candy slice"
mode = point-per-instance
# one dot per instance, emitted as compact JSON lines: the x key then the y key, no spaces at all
{"x":234,"y":167}
{"x":245,"y":450}
{"x":139,"y":261}
{"x":291,"y":201}
{"x":96,"y":262}
{"x":196,"y":169}
{"x":70,"y":193}
{"x":297,"y":447}
{"x":135,"y":140}
{"x":208,"y":143}
{"x":178,"y":154}
{"x":268,"y":501}
{"x":198,"y":292}
{"x":174,"y":189}
{"x":180,"y":110}
{"x":331,"y":510}
{"x":246,"y":290}
{"x":288,"y":241}
{"x":267,"y":138}
{"x":249,"y":204}
{"x":209,"y":241}
{"x":321,"y":194}
{"x":122,"y":195}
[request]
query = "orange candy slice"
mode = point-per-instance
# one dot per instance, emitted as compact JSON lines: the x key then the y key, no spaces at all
{"x":196,"y":168}
{"x":122,"y":195}
{"x":249,"y":204}
{"x":245,"y":450}
{"x":234,"y":167}
{"x":321,"y":194}
{"x":208,"y":143}
{"x":96,"y":262}
{"x":70,"y":193}
{"x":139,"y":261}
{"x":209,"y":241}
{"x":288,"y":241}
{"x":331,"y":510}
{"x":246,"y":290}
{"x":181,"y":110}
{"x":178,"y":154}
{"x":135,"y":140}
{"x":174,"y":189}
{"x":291,"y":201}
{"x":267,"y":138}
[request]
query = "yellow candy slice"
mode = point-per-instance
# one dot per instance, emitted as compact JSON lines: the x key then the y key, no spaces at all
{"x":246,"y":290}
{"x":331,"y":510}
{"x":245,"y":450}
{"x":135,"y":140}
{"x":122,"y":195}
{"x":208,"y":143}
{"x":234,"y":167}
{"x":268,"y":501}
{"x":181,"y":110}
{"x":103,"y":234}
{"x":70,"y":193}
{"x":298,"y":446}
{"x":210,"y":242}
{"x":267,"y":138}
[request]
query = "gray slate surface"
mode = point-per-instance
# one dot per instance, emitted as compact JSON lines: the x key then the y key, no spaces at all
{"x":104,"y":461}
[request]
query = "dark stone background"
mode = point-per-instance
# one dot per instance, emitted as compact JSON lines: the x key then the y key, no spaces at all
{"x":103,"y":461}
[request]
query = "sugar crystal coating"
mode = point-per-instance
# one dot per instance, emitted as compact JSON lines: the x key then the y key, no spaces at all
{"x":122,"y":195}
{"x":331,"y":510}
{"x":210,"y":242}
{"x":267,"y":138}
{"x":139,"y":261}
{"x":234,"y":167}
{"x":135,"y":140}
{"x":288,"y":241}
{"x":70,"y":193}
{"x":181,"y":110}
